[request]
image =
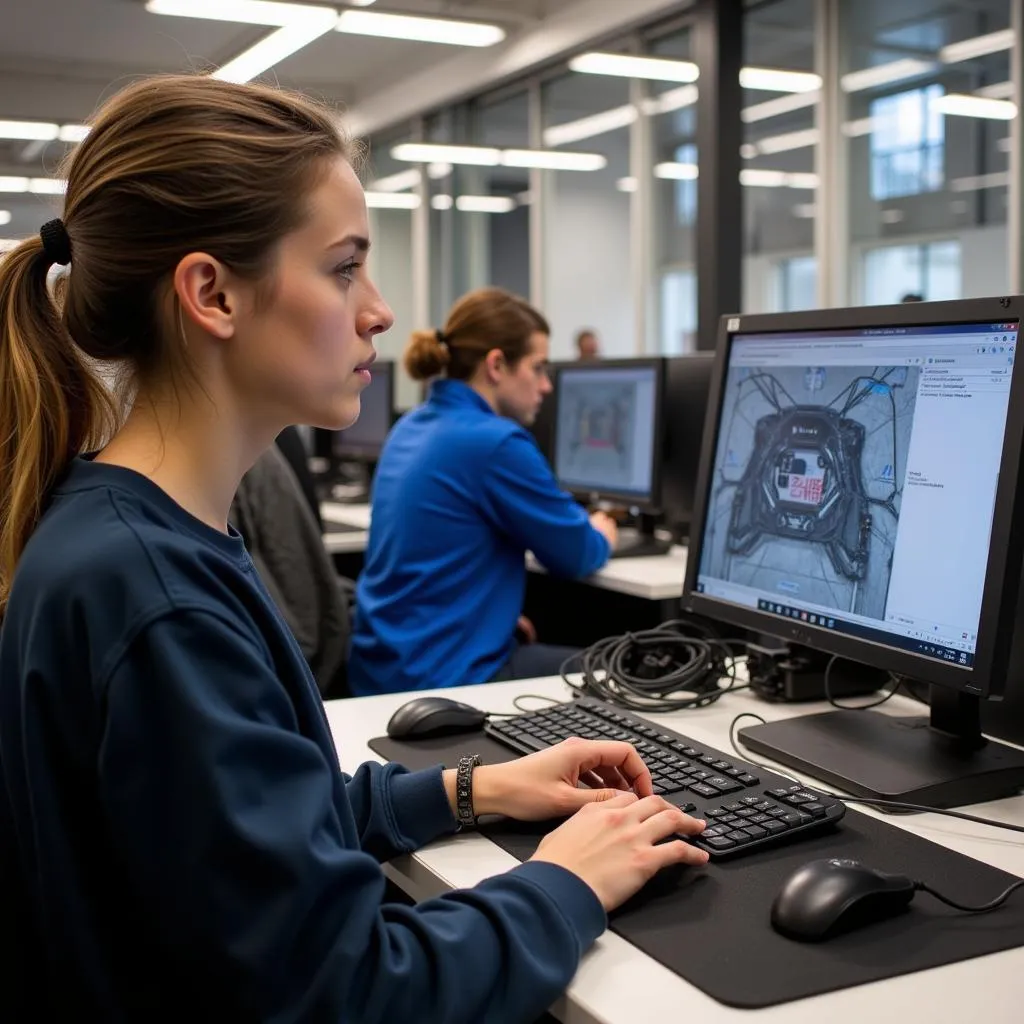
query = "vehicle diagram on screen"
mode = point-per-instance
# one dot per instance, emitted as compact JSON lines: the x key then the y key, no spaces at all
{"x":597,"y":426}
{"x":806,"y":493}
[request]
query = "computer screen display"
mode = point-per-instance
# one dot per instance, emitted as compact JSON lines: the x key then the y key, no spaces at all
{"x":606,"y":423}
{"x":853,"y":480}
{"x":367,"y":435}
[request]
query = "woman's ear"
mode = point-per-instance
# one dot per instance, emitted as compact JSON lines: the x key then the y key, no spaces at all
{"x":495,"y":363}
{"x":205,"y":294}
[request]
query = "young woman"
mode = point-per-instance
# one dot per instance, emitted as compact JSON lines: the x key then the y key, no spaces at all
{"x":461,"y":494}
{"x":176,"y":839}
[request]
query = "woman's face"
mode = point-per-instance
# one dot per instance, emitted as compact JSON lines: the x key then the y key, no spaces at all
{"x":302,"y":353}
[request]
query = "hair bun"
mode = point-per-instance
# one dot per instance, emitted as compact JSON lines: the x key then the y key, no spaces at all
{"x":427,"y":354}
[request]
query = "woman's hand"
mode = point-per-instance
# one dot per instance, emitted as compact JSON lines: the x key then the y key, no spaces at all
{"x":547,"y":784}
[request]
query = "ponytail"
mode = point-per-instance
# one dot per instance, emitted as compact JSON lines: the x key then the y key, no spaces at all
{"x":52,"y":405}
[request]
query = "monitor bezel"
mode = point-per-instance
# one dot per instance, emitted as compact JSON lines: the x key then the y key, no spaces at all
{"x":368,"y":452}
{"x":652,"y":501}
{"x":995,"y":628}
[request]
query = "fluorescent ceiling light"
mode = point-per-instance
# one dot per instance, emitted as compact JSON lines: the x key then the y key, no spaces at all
{"x":977,"y":182}
{"x":553,"y":161}
{"x":73,"y":132}
{"x":997,"y":91}
{"x":764,"y":178}
{"x":430,"y":152}
{"x":587,"y":127}
{"x":245,"y":12}
{"x":623,"y":65}
{"x":1004,"y":145}
{"x":748,"y":151}
{"x":775,"y":80}
{"x":673,"y":99}
{"x":485,"y":204}
{"x":788,"y":141}
{"x":676,"y":172}
{"x":422,"y":30}
{"x":979,"y":46}
{"x":5,"y":217}
{"x":439,"y":170}
{"x":41,"y":131}
{"x":885,"y":74}
{"x":399,"y":182}
{"x":782,"y":105}
{"x":392,"y":200}
{"x":47,"y":186}
{"x":805,"y":211}
{"x":274,"y":48}
{"x":9,"y":184}
{"x":861,"y":126}
{"x":442,"y":202}
{"x":627,"y":184}
{"x":974,"y":106}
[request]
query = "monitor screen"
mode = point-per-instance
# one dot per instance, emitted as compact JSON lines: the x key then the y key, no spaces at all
{"x":606,"y":423}
{"x":853,"y":480}
{"x":367,"y":435}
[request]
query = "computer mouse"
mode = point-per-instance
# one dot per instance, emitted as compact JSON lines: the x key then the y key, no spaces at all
{"x":826,"y":898}
{"x":434,"y":716}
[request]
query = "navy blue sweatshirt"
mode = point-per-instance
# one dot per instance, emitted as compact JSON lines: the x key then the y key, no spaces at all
{"x":460,"y":495}
{"x":177,"y":841}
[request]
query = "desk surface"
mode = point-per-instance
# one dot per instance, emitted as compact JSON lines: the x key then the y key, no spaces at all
{"x":658,"y":578}
{"x":617,"y":984}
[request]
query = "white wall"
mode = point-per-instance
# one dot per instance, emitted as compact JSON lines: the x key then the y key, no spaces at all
{"x":586,"y":264}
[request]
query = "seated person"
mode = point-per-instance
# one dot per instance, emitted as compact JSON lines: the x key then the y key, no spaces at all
{"x":461,"y":494}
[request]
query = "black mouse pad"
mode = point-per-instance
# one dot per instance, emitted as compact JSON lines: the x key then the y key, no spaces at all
{"x":711,"y":925}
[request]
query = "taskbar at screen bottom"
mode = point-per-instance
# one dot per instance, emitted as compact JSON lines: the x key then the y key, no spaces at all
{"x":923,"y":646}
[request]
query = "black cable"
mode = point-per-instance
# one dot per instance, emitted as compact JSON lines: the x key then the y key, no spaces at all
{"x":983,"y":909}
{"x":651,"y":670}
{"x":535,"y":696}
{"x":895,"y":680}
{"x":896,"y":805}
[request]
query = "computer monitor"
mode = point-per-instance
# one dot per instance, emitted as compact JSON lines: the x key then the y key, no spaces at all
{"x":365,"y":438}
{"x":859,"y":493}
{"x":687,"y":383}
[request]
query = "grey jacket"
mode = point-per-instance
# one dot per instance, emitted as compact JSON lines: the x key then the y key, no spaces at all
{"x":274,"y":519}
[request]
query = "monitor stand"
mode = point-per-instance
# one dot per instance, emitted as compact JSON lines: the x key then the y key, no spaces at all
{"x":941,"y":761}
{"x":641,"y":543}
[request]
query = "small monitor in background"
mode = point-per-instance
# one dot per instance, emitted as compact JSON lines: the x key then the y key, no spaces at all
{"x":687,"y":383}
{"x":365,"y":438}
{"x":607,"y":434}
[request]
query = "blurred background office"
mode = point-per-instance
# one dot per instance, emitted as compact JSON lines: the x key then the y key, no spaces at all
{"x":637,"y":168}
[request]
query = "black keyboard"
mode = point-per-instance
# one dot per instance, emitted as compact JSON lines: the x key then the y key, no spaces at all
{"x":746,"y":807}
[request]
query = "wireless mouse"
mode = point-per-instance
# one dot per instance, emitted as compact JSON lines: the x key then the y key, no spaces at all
{"x":434,"y":716}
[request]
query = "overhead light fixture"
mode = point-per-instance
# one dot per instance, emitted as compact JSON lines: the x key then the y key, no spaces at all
{"x":588,"y":127}
{"x":861,"y":126}
{"x":629,"y":184}
{"x":41,"y":131}
{"x":764,"y":178}
{"x":805,"y":211}
{"x":244,"y":12}
{"x":979,"y":46}
{"x":676,"y":172}
{"x":274,"y":48}
{"x":997,"y":91}
{"x":400,"y":182}
{"x":885,"y":74}
{"x":73,"y":132}
{"x":787,"y":141}
{"x":9,"y":184}
{"x":623,"y":65}
{"x":671,"y":100}
{"x":978,"y":182}
{"x":39,"y":186}
{"x":777,"y":80}
{"x":442,"y":202}
{"x":485,"y":204}
{"x":421,"y":30}
{"x":392,"y":200}
{"x":553,"y":160}
{"x":775,"y":108}
{"x":434,"y":152}
{"x":439,"y":170}
{"x":961,"y":105}
{"x":6,"y":244}
{"x":5,"y":217}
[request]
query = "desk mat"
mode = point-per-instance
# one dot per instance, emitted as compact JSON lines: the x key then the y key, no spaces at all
{"x":711,"y":925}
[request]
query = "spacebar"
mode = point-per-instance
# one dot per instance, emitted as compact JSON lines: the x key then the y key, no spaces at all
{"x":525,"y":740}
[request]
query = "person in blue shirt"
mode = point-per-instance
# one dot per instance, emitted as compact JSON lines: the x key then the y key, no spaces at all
{"x":177,"y":841}
{"x":461,"y":494}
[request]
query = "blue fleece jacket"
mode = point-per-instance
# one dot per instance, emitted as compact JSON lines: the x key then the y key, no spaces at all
{"x":460,"y":495}
{"x":177,"y":841}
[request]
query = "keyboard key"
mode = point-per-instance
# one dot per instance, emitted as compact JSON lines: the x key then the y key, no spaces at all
{"x":691,"y":752}
{"x":703,"y":789}
{"x":799,"y":798}
{"x":699,"y":774}
{"x":659,"y":790}
{"x":734,"y":806}
{"x":759,"y":819}
{"x":706,"y":759}
{"x":734,"y":772}
{"x":721,"y":766}
{"x":764,"y":806}
{"x":747,"y":779}
{"x":815,"y":810}
{"x":792,"y":818}
{"x":738,"y":836}
{"x":750,"y":801}
{"x":715,"y":812}
{"x":779,"y":794}
{"x":532,"y":742}
{"x":747,"y":812}
{"x":719,"y":842}
{"x":731,"y":819}
{"x":755,"y":831}
{"x":773,"y":827}
{"x":714,"y":830}
{"x":687,"y":808}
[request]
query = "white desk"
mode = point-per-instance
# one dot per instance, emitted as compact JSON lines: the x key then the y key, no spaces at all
{"x":659,"y":578}
{"x":617,"y":984}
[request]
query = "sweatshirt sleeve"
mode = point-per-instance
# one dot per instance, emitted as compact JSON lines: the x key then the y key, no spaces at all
{"x":238,"y":840}
{"x":524,"y":499}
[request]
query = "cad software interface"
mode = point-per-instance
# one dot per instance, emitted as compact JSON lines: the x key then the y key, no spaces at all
{"x":369,"y":432}
{"x":604,"y":429}
{"x":855,"y":477}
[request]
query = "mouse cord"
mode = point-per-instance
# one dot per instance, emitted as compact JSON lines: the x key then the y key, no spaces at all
{"x":896,"y":805}
{"x":983,"y":909}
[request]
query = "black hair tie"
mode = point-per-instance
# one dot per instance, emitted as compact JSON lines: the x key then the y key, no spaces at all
{"x":56,"y":242}
{"x":441,"y":339}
